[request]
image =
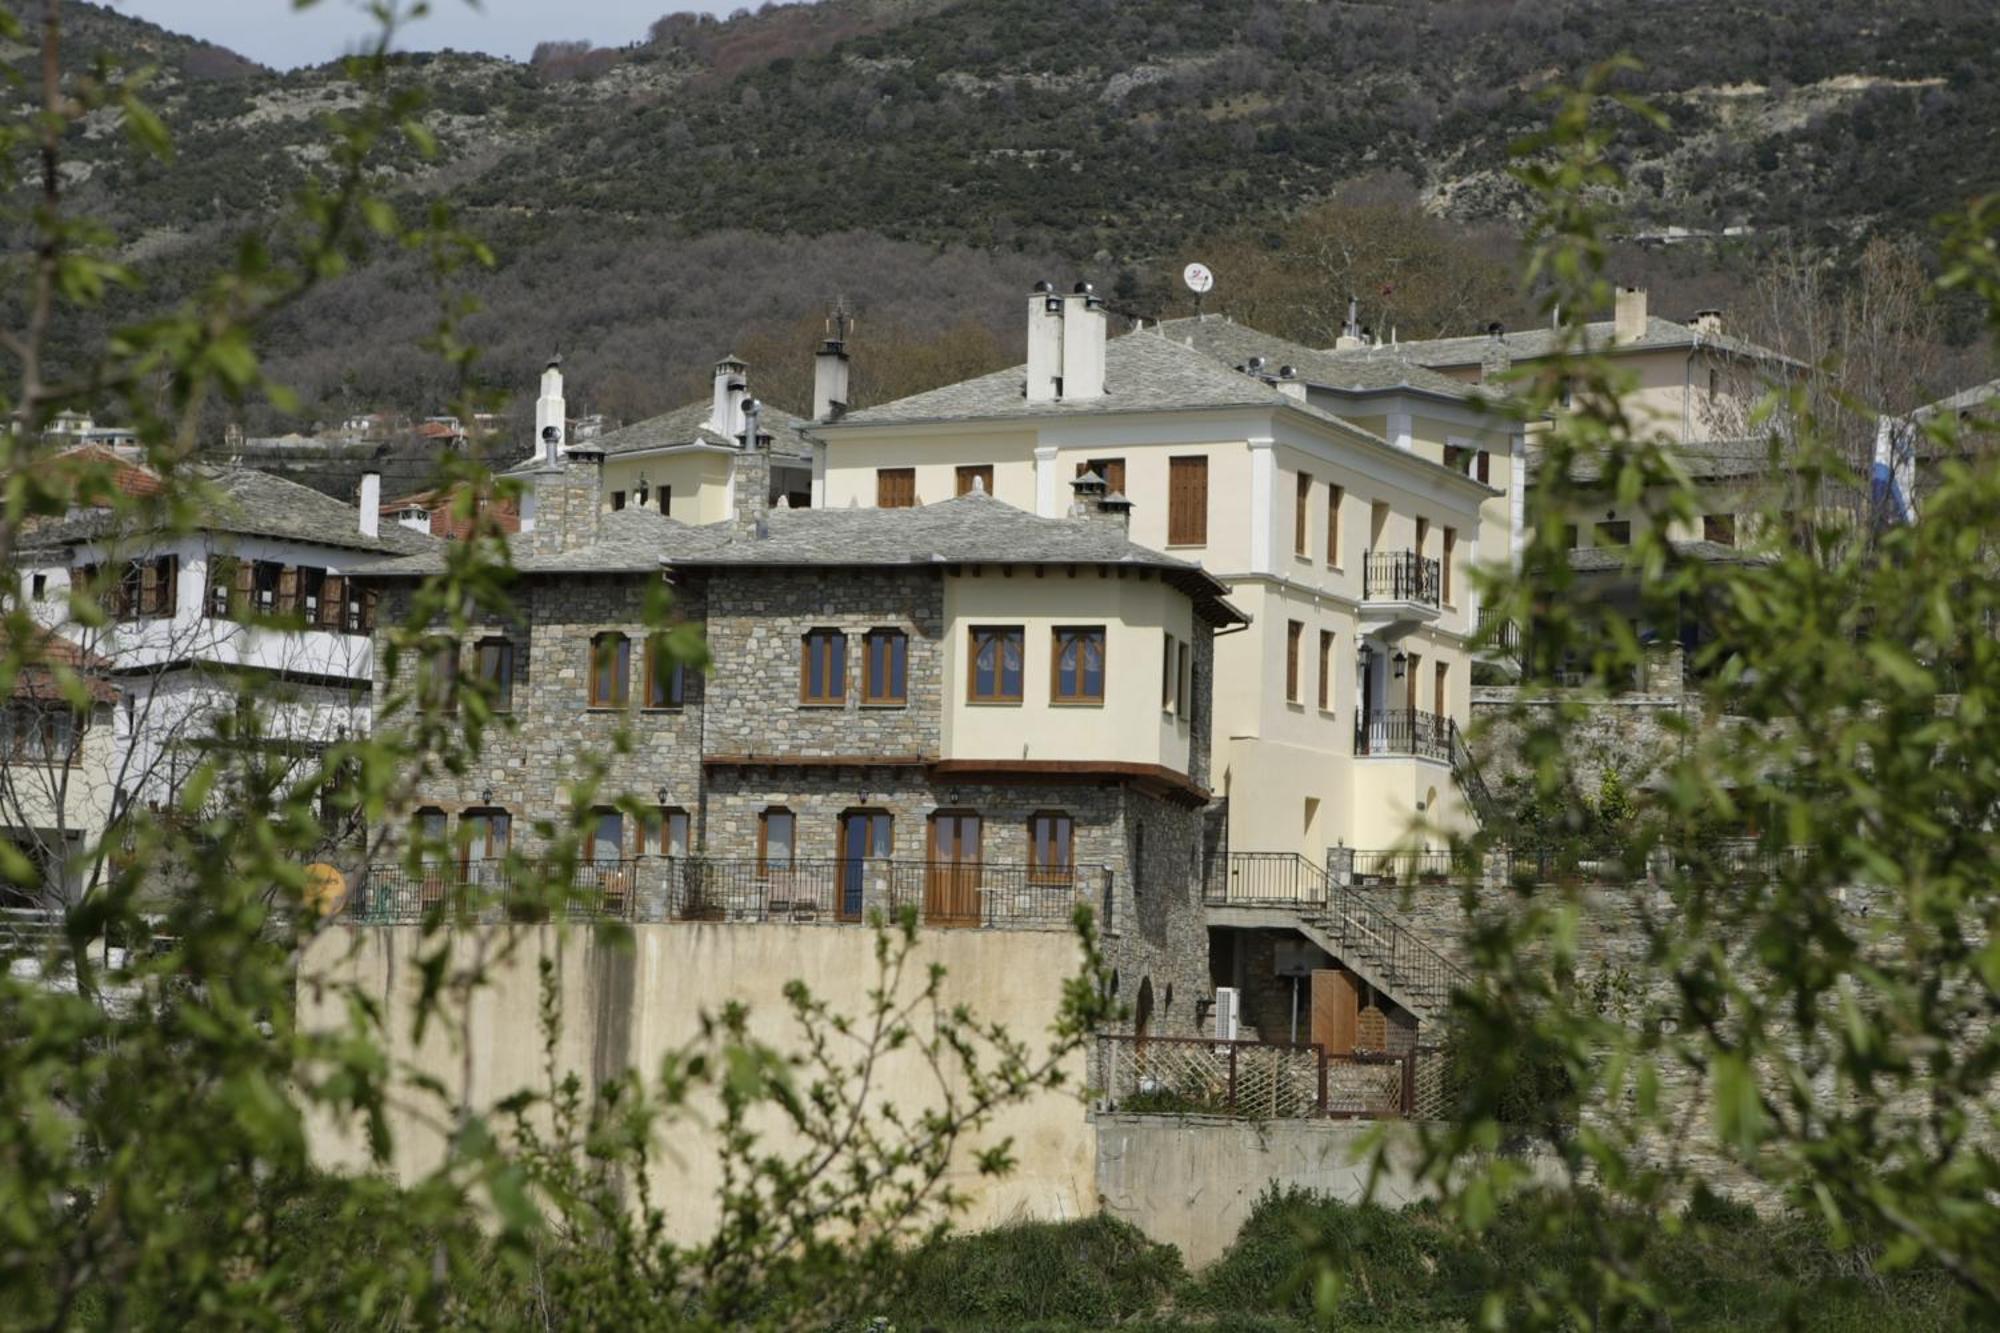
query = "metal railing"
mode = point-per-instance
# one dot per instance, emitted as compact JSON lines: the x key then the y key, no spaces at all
{"x":29,"y":930}
{"x":1365,"y":936}
{"x":1499,"y":635}
{"x":1399,"y":866}
{"x":1400,"y":576}
{"x":1465,"y":770}
{"x":1403,"y":731}
{"x":1264,"y":1080}
{"x":819,"y":891}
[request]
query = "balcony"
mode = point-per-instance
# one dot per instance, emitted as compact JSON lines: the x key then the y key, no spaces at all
{"x":1400,"y":587}
{"x":1404,"y":731}
{"x":993,"y":896}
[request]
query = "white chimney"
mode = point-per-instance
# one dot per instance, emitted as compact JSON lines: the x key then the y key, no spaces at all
{"x":1629,"y":316}
{"x":830,"y":380}
{"x":725,"y":413}
{"x":371,"y":504}
{"x":1045,"y":344}
{"x":551,"y":414}
{"x":1083,"y":345}
{"x":1708,"y":323}
{"x":1350,"y":332}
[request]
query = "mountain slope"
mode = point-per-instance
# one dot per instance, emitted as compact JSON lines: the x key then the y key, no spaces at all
{"x":991,"y":139}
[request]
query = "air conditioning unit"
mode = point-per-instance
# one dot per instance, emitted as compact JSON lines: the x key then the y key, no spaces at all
{"x":1228,"y":1007}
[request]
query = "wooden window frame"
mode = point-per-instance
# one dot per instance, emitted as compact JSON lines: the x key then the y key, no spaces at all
{"x":1719,"y":529}
{"x":1082,"y":634}
{"x":1441,"y":691}
{"x":598,"y":815}
{"x":503,"y":689}
{"x":1447,"y":549}
{"x":1169,"y":677}
{"x":874,"y":691}
{"x":1187,"y":516}
{"x":967,"y":472}
{"x":439,"y":688}
{"x":1325,"y":670}
{"x":998,"y":634}
{"x":1065,"y":871}
{"x":1334,"y":495}
{"x":483,"y":814}
{"x":889,"y":490}
{"x":764,"y":816}
{"x":1302,"y":517}
{"x":1295,"y":631}
{"x":835,"y":673}
{"x":621,"y":668}
{"x":676,"y":685}
{"x":1485,"y":467}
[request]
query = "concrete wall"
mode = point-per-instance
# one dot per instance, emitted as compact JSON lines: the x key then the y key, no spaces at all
{"x":625,"y":1009}
{"x":1192,"y":1181}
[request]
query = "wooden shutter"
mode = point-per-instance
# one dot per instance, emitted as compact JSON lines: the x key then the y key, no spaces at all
{"x":170,"y":583}
{"x":1187,"y":501}
{"x":149,"y":589}
{"x":288,"y":590}
{"x":1301,"y":520}
{"x":246,"y":586}
{"x":1334,"y":495}
{"x":1293,"y":631}
{"x":895,"y":487}
{"x":1485,"y":467}
{"x":333,"y":602}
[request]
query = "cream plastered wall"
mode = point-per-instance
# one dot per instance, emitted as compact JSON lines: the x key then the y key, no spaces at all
{"x":699,"y":483}
{"x":625,"y":1007}
{"x":1129,"y":726}
{"x":936,"y":454}
{"x":1664,"y":380}
{"x":1744,"y":502}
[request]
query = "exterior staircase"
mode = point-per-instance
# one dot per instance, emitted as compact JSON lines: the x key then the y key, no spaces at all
{"x":1465,"y":770}
{"x":1282,"y":889}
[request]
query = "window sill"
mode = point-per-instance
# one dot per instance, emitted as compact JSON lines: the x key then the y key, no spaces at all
{"x":1295,"y":705}
{"x":1076,"y":703}
{"x":665,"y":708}
{"x":824,"y":705}
{"x":993,"y":703}
{"x":885,"y":705}
{"x":1185,"y":546}
{"x":606,"y":708}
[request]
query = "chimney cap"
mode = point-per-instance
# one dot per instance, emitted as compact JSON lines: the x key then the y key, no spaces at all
{"x":1088,"y":482}
{"x":1044,"y":286}
{"x":1115,"y":501}
{"x":731,"y":362}
{"x":1287,"y":372}
{"x":1083,"y":289}
{"x":1495,"y":330}
{"x":554,"y":362}
{"x":1255,"y":365}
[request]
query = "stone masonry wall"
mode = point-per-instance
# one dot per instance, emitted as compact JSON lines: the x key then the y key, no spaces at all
{"x":757,"y":620}
{"x":555,"y":735}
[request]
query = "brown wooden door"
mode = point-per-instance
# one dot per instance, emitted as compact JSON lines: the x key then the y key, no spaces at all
{"x":1336,"y":1010}
{"x":951,"y":885}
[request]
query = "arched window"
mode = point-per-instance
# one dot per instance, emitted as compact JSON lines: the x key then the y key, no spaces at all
{"x":610,"y":670}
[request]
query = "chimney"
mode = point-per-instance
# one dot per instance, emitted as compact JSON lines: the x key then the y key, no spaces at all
{"x":1096,"y":502}
{"x":1629,"y":317}
{"x":1289,"y":384}
{"x":725,"y":414}
{"x":1083,"y":345}
{"x":1045,"y":344}
{"x":371,"y":504}
{"x":750,"y":478}
{"x":551,"y":420}
{"x":830,"y":380}
{"x":1708,"y":323}
{"x":1350,"y":332}
{"x":1115,"y":508}
{"x":1495,"y":359}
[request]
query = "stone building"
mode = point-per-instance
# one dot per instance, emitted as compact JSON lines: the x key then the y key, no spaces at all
{"x":987,"y":715}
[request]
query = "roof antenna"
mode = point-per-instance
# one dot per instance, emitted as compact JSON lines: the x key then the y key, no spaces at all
{"x":839,"y":319}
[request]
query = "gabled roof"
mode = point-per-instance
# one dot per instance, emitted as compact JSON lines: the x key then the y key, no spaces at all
{"x":688,"y":425}
{"x":1143,"y":372}
{"x":45,"y":654}
{"x":972,"y":529}
{"x":1965,"y":400}
{"x":1362,"y":370}
{"x":1535,"y":344}
{"x":249,"y":503}
{"x":1702,"y":460}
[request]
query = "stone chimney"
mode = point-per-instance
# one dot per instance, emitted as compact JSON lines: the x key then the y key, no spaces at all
{"x":1628,"y":323}
{"x":1115,"y":508}
{"x":1708,"y":323}
{"x":551,"y":414}
{"x":1045,"y":344}
{"x":830,"y":380}
{"x":750,"y":478}
{"x":1350,"y":332}
{"x":1494,"y":359}
{"x":370,"y":504}
{"x":1083,"y":335}
{"x":725,"y":414}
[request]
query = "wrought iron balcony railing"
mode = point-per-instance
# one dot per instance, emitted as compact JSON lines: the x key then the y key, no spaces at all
{"x":1403,"y":731}
{"x":1400,"y":576}
{"x":826,"y":891}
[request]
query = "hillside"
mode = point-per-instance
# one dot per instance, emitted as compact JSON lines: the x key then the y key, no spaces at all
{"x":928,"y":158}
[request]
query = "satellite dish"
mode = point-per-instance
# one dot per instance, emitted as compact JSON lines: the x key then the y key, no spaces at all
{"x":1198,"y":279}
